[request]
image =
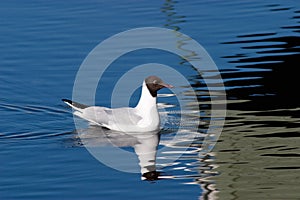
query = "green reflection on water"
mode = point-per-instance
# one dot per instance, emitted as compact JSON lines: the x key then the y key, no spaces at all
{"x":257,"y":159}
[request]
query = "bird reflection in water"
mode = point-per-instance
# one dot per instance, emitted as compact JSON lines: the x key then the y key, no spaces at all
{"x":144,"y":144}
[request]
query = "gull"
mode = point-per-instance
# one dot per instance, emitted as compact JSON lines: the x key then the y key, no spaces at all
{"x":143,"y":117}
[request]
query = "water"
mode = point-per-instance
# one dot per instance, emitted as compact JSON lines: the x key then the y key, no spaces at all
{"x":255,"y":44}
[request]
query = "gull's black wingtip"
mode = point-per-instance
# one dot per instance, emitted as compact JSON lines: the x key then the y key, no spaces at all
{"x":74,"y":104}
{"x":67,"y":101}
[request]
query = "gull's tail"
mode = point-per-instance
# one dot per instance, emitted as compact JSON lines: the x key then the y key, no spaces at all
{"x":76,"y":106}
{"x":79,"y":111}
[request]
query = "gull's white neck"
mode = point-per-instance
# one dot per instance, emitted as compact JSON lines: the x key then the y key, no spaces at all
{"x":147,"y":102}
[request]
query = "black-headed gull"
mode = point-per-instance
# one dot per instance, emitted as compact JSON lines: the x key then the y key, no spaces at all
{"x":142,"y":118}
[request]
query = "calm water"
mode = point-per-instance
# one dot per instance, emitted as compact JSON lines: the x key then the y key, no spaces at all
{"x":255,"y":44}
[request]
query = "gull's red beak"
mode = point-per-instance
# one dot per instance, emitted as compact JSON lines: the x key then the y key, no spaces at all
{"x":167,"y":85}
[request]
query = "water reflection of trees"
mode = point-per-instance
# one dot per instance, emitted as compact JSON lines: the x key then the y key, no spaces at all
{"x":257,"y":155}
{"x":258,"y":152}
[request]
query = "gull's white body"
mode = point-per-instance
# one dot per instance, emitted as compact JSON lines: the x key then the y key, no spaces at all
{"x":142,"y":118}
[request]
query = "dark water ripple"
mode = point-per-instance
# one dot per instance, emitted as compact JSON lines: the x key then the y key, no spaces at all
{"x":33,"y":109}
{"x":35,"y":116}
{"x":262,"y":129}
{"x":263,"y":116}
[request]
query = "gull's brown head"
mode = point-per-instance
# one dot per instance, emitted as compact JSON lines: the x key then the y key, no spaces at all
{"x":154,"y":84}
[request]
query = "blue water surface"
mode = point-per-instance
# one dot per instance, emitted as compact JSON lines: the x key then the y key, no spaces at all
{"x":42,"y":45}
